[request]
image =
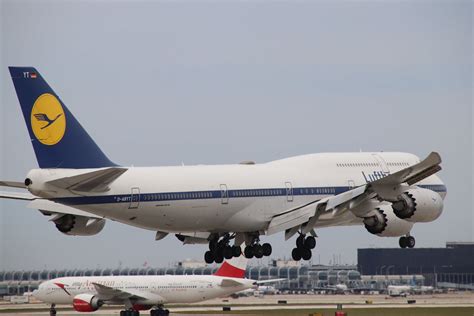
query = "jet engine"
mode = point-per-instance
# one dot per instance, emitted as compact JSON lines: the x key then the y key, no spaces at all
{"x":86,"y":303}
{"x":385,"y":223}
{"x":75,"y":225}
{"x":418,"y":205}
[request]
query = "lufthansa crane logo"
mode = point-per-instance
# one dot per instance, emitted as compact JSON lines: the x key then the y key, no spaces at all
{"x":48,"y":121}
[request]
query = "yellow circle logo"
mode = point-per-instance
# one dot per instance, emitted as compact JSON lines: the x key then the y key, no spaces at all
{"x":48,"y":120}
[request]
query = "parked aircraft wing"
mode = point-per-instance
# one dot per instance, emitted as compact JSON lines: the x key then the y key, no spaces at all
{"x":95,"y":181}
{"x":110,"y":294}
{"x":232,"y":282}
{"x":48,"y":207}
{"x":269,"y":281}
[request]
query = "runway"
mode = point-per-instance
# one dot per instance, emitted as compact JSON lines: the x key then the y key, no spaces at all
{"x":452,"y":304}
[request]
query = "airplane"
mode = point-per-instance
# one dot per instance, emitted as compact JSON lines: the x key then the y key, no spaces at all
{"x":137,"y":293}
{"x":79,"y":188}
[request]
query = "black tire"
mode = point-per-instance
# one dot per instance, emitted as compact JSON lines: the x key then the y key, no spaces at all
{"x":219,"y":258}
{"x":410,"y":241}
{"x":305,"y":254}
{"x":300,"y":241}
{"x":208,"y":257}
{"x":258,"y":251}
{"x":52,"y":312}
{"x":248,"y":252}
{"x":310,"y":242}
{"x":236,"y":251}
{"x":403,"y":242}
{"x":166,"y":312}
{"x":212,"y":245}
{"x":267,"y":249}
{"x":296,"y":254}
{"x":134,"y":313}
{"x":123,"y":313}
{"x":228,"y":252}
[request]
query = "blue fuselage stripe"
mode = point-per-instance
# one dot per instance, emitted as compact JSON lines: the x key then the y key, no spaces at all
{"x":215,"y":194}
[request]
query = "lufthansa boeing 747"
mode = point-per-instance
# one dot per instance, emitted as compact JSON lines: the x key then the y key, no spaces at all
{"x":79,"y":188}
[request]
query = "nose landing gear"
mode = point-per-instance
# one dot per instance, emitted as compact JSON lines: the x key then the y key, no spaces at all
{"x":407,"y":241}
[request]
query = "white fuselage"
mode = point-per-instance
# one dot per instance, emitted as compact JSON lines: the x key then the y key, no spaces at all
{"x":156,"y":289}
{"x":228,"y":198}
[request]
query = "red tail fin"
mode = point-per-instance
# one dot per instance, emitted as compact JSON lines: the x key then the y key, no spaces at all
{"x":233,"y":268}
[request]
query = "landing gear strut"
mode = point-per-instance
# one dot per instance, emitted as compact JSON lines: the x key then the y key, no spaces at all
{"x":406,"y":241}
{"x":220,"y":249}
{"x":52,"y":310}
{"x":303,"y":247}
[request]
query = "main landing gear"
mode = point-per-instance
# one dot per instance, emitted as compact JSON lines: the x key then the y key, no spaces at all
{"x":256,"y":250}
{"x":406,"y":241}
{"x":220,"y":249}
{"x":129,"y":312}
{"x":159,"y":312}
{"x":52,"y":310}
{"x":304,"y":245}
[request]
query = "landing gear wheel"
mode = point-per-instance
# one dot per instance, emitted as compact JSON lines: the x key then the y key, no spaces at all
{"x":134,"y":313}
{"x":403,"y":242}
{"x":300,"y":241}
{"x":159,"y":312}
{"x":209,"y":257}
{"x":218,"y":257}
{"x":296,"y":254}
{"x":310,"y":242}
{"x":305,"y":254}
{"x":267,"y":249}
{"x":410,"y":241}
{"x":248,"y":252}
{"x":236,"y":251}
{"x":258,"y":251}
{"x":228,"y":252}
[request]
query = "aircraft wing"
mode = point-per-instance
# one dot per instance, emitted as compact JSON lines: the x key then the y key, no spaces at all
{"x":231,"y":283}
{"x":110,"y":294}
{"x":306,"y":216}
{"x":269,"y":281}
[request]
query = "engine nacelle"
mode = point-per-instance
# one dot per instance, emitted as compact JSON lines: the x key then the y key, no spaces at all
{"x":86,"y":303}
{"x":75,"y":225}
{"x":385,"y":223}
{"x":418,"y":205}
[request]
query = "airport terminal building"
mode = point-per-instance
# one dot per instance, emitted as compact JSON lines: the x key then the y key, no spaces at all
{"x":452,"y":266}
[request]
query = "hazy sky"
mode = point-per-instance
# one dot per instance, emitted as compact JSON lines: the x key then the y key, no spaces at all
{"x":161,"y":83}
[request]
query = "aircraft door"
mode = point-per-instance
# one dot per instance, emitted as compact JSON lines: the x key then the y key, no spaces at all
{"x":224,"y":194}
{"x":381,"y":163}
{"x":289,"y":192}
{"x":134,"y":198}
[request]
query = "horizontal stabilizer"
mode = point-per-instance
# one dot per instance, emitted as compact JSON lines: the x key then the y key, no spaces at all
{"x":12,"y":184}
{"x":47,"y":206}
{"x":95,"y":181}
{"x":17,"y":195}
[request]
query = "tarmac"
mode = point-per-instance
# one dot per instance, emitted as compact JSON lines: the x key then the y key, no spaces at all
{"x":270,"y":302}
